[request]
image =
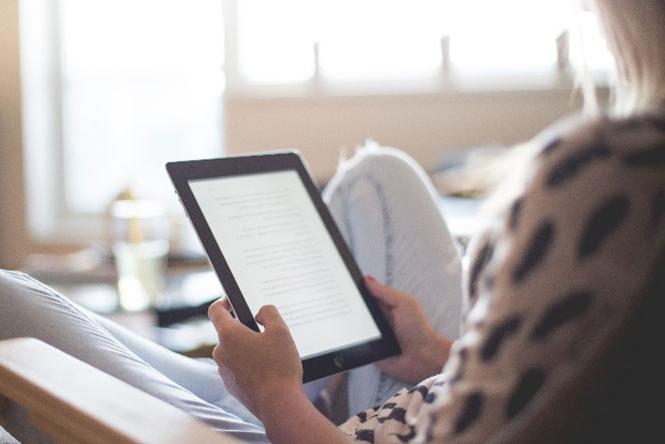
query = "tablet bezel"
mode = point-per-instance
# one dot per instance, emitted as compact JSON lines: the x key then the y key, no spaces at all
{"x":318,"y":366}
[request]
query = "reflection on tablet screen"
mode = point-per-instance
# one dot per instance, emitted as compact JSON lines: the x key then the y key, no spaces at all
{"x":281,"y":253}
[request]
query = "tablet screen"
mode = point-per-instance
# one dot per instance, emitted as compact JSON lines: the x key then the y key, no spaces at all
{"x":281,"y":253}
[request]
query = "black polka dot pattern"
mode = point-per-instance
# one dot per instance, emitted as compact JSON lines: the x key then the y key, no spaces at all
{"x":562,"y":312}
{"x":573,"y":164}
{"x":470,"y":412}
{"x":651,"y":157}
{"x":482,"y":259}
{"x":366,"y":435}
{"x":601,"y":196}
{"x":422,"y":389}
{"x":603,"y":221}
{"x":515,"y":210}
{"x":539,"y":244}
{"x":396,"y":414}
{"x":406,"y":437}
{"x":527,"y":387}
{"x":498,"y":336}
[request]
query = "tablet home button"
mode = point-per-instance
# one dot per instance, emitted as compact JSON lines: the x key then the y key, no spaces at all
{"x":339,"y":361}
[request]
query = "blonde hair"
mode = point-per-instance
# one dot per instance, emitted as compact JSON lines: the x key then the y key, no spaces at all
{"x":635,"y":33}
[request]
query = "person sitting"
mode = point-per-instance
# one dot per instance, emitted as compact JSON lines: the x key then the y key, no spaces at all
{"x":552,"y":277}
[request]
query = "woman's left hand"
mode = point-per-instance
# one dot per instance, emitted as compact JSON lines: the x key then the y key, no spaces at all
{"x":255,"y":366}
{"x":424,"y":351}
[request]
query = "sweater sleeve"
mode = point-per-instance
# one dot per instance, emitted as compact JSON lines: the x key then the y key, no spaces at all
{"x":552,"y":282}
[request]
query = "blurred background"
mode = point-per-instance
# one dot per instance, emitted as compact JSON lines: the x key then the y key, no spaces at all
{"x":96,"y":95}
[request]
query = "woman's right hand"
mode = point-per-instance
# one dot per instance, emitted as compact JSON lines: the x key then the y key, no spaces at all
{"x":424,"y":352}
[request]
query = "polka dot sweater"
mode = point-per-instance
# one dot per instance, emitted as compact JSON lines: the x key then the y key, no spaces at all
{"x":548,"y":282}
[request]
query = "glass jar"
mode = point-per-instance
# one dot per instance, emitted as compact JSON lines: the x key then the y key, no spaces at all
{"x":140,"y":249}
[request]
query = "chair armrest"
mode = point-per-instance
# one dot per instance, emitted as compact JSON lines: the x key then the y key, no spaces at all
{"x":72,"y":401}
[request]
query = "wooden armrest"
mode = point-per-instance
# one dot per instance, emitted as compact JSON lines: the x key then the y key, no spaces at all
{"x":72,"y":401}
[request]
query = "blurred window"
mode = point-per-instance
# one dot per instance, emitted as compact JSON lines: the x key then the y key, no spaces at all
{"x":141,"y":85}
{"x":375,"y":40}
{"x":137,"y":83}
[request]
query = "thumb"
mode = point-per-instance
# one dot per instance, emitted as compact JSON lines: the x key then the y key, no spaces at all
{"x":269,"y":317}
{"x":388,"y":295}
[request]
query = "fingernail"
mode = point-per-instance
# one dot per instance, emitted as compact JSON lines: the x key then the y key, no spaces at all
{"x":370,"y":278}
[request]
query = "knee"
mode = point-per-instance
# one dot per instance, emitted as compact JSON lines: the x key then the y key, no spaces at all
{"x":381,"y":163}
{"x":377,"y":166}
{"x":379,"y":171}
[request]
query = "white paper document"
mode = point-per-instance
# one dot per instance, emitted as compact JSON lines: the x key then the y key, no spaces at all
{"x":281,"y":253}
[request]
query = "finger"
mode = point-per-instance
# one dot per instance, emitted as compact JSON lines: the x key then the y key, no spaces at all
{"x":226,"y":304}
{"x":386,"y":310}
{"x":217,"y":354}
{"x":220,"y":316}
{"x":214,"y":306}
{"x":223,"y":302}
{"x":388,"y":295}
{"x":269,"y":317}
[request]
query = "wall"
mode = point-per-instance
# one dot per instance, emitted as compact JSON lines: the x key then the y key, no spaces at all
{"x":424,"y":125}
{"x":13,"y":233}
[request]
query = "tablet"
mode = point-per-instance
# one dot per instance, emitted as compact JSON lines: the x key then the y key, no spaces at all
{"x":271,"y":240}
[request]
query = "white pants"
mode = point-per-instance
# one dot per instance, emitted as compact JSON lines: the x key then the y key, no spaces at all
{"x":386,"y":209}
